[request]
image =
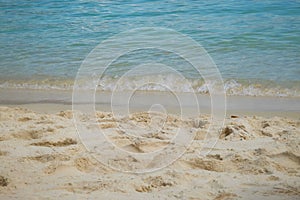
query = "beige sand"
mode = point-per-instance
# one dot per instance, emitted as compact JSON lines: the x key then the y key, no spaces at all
{"x":42,"y":157}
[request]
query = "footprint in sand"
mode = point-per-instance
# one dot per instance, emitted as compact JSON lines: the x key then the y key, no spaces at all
{"x":65,"y":142}
{"x":49,"y":157}
{"x":287,"y":160}
{"x":3,"y":181}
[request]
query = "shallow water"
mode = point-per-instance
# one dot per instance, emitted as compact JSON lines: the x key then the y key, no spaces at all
{"x":255,"y":44}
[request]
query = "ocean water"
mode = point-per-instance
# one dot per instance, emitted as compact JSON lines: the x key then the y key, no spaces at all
{"x":255,"y":44}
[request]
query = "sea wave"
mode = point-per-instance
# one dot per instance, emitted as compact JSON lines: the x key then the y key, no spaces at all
{"x":161,"y":83}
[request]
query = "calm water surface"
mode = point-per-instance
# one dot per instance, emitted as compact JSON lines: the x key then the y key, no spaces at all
{"x":255,"y":44}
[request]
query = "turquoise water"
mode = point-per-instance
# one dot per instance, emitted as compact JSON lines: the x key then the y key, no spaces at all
{"x":255,"y":44}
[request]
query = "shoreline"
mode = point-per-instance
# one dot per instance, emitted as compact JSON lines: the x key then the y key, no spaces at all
{"x":53,"y":108}
{"x":55,"y":100}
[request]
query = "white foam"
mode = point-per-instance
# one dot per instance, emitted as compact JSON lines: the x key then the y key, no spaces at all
{"x":158,"y":83}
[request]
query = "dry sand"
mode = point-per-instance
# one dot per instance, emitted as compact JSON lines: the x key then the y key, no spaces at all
{"x":42,"y":157}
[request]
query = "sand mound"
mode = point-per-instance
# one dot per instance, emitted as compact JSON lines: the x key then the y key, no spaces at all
{"x":84,"y":164}
{"x":154,"y":183}
{"x":209,"y":165}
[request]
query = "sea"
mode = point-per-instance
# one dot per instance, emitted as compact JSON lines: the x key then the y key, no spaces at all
{"x":255,"y":44}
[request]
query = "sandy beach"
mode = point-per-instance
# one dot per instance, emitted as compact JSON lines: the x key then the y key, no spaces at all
{"x":42,"y":157}
{"x":143,"y":99}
